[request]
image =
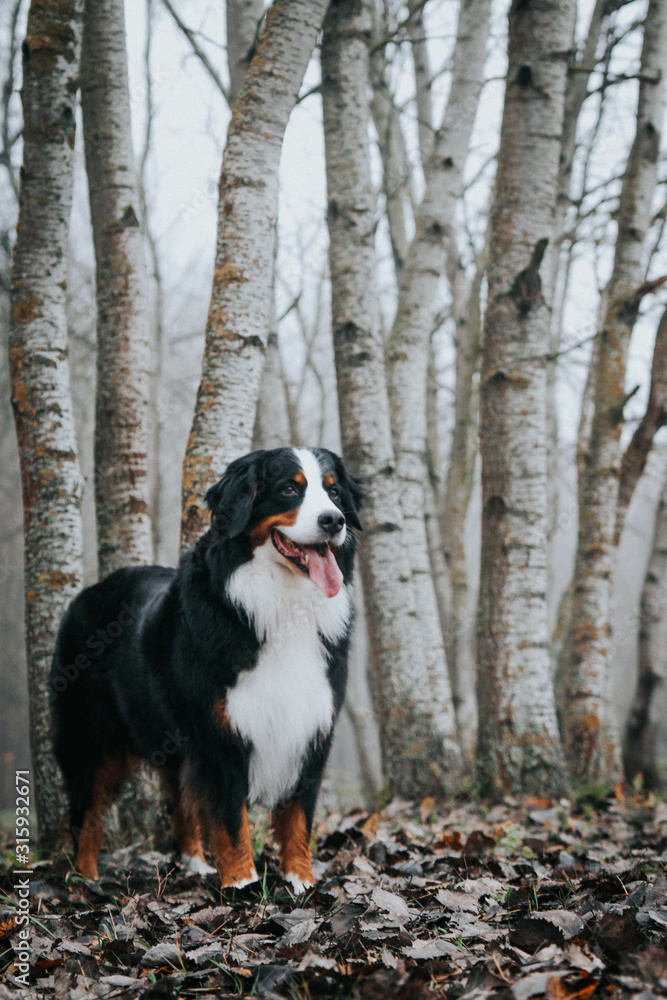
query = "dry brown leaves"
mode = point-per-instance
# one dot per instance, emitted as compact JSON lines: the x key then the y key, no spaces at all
{"x":526,"y":899}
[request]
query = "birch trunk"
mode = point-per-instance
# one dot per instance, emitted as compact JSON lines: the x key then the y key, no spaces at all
{"x":418,"y":753}
{"x":647,"y":713}
{"x":519,"y":747}
{"x":460,"y":478}
{"x":243,"y":18}
{"x":272,"y":428}
{"x":432,"y":496}
{"x":590,"y":727}
{"x":408,"y":347}
{"x":123,"y":333}
{"x":576,"y":91}
{"x":562,"y":639}
{"x":417,"y":36}
{"x":155,"y":275}
{"x":395,"y":167}
{"x":50,"y":476}
{"x":241,"y":307}
{"x":272,"y":423}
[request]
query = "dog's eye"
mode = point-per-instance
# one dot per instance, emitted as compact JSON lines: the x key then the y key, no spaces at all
{"x":289,"y":490}
{"x":333,"y":492}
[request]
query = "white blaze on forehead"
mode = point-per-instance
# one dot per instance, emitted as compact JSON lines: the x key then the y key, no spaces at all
{"x":315,"y":492}
{"x":315,"y":501}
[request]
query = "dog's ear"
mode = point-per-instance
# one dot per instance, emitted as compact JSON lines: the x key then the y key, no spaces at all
{"x":231,"y":500}
{"x":355,"y":494}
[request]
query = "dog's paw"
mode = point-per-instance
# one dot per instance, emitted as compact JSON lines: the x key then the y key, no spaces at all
{"x":298,"y":886}
{"x":240,"y":883}
{"x":195,"y":865}
{"x":88,"y":869}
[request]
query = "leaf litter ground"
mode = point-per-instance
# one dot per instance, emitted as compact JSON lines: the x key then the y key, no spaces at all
{"x":531,"y":898}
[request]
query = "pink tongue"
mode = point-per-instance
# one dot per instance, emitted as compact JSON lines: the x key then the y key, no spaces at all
{"x":325,"y":572}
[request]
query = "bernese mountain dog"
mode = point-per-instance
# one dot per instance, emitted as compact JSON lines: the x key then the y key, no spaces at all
{"x":226,"y":674}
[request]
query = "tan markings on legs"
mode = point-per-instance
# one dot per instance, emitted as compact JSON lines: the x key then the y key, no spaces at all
{"x":110,"y":775}
{"x":234,"y":859}
{"x":291,"y":833}
{"x":262,"y":529}
{"x":220,"y":710}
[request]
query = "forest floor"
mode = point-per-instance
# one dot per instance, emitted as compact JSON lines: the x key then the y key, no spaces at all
{"x":531,"y":898}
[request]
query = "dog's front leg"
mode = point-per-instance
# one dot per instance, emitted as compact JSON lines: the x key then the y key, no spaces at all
{"x":291,"y":829}
{"x":232,"y":848}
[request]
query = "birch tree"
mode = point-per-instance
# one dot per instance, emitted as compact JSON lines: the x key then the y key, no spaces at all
{"x":590,"y":728}
{"x":242,"y":18}
{"x":157,"y":318}
{"x":459,"y":635}
{"x":576,"y":92}
{"x":420,"y":755}
{"x":272,"y":429}
{"x":519,"y":747}
{"x":409,"y":341}
{"x":50,"y":476}
{"x":123,"y":332}
{"x":417,"y":34}
{"x":395,"y":166}
{"x":241,"y":307}
{"x":272,"y":423}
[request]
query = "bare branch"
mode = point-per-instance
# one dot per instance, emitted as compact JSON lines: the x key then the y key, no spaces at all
{"x":8,"y":141}
{"x":198,"y":51}
{"x":415,"y":29}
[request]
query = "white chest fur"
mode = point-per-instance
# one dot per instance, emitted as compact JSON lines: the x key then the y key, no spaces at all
{"x":286,"y":701}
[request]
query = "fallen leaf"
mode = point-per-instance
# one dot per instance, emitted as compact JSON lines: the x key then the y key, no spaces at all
{"x":457,"y":900}
{"x":392,"y":904}
{"x":430,"y":949}
{"x":166,"y":952}
{"x":536,"y":984}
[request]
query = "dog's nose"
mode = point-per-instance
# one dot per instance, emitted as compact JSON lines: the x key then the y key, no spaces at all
{"x":332,"y":521}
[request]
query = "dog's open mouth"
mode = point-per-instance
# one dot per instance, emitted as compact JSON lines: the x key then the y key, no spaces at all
{"x":316,"y":561}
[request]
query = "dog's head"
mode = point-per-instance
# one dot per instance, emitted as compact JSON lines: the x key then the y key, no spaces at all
{"x":298,"y":503}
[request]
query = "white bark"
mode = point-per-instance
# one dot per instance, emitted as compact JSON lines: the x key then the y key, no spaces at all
{"x":519,"y":746}
{"x":459,"y":636}
{"x":241,"y":303}
{"x":50,"y":476}
{"x":576,"y":92}
{"x":123,"y":334}
{"x":590,"y":728}
{"x":432,"y":498}
{"x":408,"y":347}
{"x":243,"y":19}
{"x":395,"y":166}
{"x":415,"y":726}
{"x":272,"y":428}
{"x":272,"y":423}
{"x":417,"y":35}
{"x":155,"y":448}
